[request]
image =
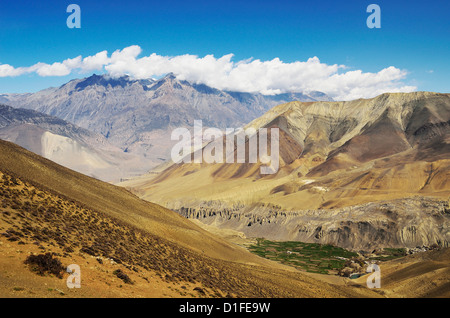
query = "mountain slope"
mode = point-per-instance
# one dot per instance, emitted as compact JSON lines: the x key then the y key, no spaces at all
{"x":47,"y":208}
{"x":424,"y":275}
{"x":391,"y":149}
{"x":69,"y":145}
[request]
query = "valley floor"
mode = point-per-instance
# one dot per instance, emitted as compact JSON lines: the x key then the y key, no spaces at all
{"x":423,"y":274}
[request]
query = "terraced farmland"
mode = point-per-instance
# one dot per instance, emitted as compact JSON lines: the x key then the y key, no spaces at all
{"x":311,"y":257}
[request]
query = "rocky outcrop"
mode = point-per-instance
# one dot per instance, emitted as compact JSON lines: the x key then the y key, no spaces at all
{"x":409,"y":222}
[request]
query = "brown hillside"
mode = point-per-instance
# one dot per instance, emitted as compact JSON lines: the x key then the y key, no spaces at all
{"x":126,"y":247}
{"x":393,"y":147}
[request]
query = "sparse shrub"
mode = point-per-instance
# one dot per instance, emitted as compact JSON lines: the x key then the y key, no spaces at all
{"x":45,"y":263}
{"x":14,"y":181}
{"x":120,"y":274}
{"x":68,"y":249}
{"x":117,"y":260}
{"x":88,"y":250}
{"x":200,"y":290}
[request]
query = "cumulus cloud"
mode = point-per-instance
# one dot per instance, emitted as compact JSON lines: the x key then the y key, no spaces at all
{"x":251,"y":75}
{"x":42,"y":69}
{"x":95,"y":62}
{"x":7,"y":70}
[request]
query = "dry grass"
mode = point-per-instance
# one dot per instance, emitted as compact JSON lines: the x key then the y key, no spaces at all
{"x":49,"y":221}
{"x":144,"y":240}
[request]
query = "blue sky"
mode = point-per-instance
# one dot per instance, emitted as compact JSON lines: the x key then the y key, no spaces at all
{"x":414,"y":35}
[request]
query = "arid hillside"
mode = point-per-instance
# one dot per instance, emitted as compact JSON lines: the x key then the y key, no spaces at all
{"x":419,"y":275}
{"x":338,"y":162}
{"x":52,"y":217}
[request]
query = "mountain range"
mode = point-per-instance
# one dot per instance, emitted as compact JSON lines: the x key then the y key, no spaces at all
{"x":382,"y":156}
{"x":363,"y":175}
{"x":357,"y":174}
{"x":138,"y":116}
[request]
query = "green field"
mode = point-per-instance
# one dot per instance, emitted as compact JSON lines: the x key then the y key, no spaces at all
{"x":311,"y":257}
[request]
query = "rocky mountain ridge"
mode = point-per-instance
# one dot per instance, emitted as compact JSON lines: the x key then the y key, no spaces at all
{"x":138,"y":115}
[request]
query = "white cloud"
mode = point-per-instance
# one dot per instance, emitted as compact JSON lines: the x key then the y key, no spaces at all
{"x":57,"y":69}
{"x":251,"y":75}
{"x":42,"y":69}
{"x":95,"y":62}
{"x":7,"y":70}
